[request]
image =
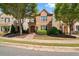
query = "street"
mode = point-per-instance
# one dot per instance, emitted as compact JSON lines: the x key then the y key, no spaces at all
{"x":12,"y":51}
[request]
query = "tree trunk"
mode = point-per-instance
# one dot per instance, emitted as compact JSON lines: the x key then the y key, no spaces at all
{"x":10,"y":29}
{"x":70,"y":29}
{"x":20,"y":27}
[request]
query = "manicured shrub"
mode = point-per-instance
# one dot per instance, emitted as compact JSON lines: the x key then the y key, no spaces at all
{"x":42,"y":32}
{"x":13,"y":29}
{"x":60,"y":32}
{"x":54,"y":31}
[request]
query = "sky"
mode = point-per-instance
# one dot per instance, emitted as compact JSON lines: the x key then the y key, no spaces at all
{"x":48,"y":6}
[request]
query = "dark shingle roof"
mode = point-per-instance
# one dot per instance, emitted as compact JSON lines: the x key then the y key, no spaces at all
{"x":46,"y":12}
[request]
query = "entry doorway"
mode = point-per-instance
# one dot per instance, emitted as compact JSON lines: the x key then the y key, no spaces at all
{"x":32,"y":29}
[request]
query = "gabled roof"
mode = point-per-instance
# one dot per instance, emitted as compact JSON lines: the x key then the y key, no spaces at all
{"x":46,"y":12}
{"x":6,"y":16}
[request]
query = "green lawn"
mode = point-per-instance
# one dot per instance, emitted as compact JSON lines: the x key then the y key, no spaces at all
{"x":36,"y":43}
{"x":2,"y":33}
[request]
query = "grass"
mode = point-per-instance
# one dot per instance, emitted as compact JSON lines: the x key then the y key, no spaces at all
{"x":2,"y":33}
{"x":46,"y":37}
{"x":36,"y":43}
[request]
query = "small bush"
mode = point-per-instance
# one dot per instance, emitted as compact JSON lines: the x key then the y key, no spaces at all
{"x":60,"y":32}
{"x":42,"y":32}
{"x":54,"y":31}
{"x":13,"y":29}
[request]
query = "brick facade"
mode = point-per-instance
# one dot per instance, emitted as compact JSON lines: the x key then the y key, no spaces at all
{"x":48,"y":22}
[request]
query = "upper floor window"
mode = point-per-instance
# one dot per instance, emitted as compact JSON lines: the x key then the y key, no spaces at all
{"x":43,"y":18}
{"x":1,"y":19}
{"x":7,"y":19}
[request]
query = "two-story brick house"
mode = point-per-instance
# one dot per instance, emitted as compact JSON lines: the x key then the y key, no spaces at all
{"x":43,"y":21}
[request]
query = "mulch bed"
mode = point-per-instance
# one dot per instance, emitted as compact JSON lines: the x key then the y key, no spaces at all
{"x":63,"y":36}
{"x":14,"y":35}
{"x":24,"y":35}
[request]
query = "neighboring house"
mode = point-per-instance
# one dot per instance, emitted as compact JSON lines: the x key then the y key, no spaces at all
{"x":62,"y":26}
{"x":76,"y":26}
{"x":6,"y":21}
{"x":65,"y":28}
{"x":43,"y":21}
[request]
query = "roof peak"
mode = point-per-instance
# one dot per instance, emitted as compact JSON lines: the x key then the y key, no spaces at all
{"x":46,"y":12}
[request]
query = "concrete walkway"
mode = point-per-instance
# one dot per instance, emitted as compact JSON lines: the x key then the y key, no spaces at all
{"x":75,"y":35}
{"x":30,"y":36}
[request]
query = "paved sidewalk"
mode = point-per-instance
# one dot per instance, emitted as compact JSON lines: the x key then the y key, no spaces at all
{"x":45,"y":41}
{"x":42,"y":48}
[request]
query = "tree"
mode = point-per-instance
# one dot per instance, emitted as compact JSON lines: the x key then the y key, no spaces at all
{"x":68,"y":13}
{"x":19,"y":11}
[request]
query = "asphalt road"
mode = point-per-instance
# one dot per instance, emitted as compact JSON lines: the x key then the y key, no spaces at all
{"x":12,"y":51}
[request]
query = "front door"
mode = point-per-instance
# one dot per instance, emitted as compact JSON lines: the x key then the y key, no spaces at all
{"x":32,"y":29}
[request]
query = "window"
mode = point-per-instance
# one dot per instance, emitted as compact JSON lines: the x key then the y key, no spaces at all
{"x":43,"y":18}
{"x":5,"y":19}
{"x":8,"y":19}
{"x":77,"y":27}
{"x":1,"y":28}
{"x":2,"y":18}
{"x":43,"y":27}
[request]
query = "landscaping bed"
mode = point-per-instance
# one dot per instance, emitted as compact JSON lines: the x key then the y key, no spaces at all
{"x":63,"y":36}
{"x":53,"y":37}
